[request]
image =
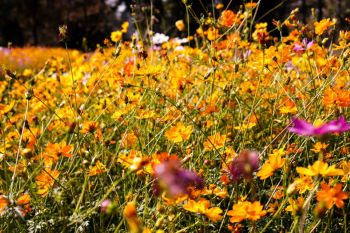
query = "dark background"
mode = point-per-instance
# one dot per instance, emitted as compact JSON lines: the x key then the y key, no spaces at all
{"x":36,"y":22}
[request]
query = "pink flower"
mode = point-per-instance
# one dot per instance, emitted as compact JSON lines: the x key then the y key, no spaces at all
{"x":303,"y":128}
{"x":175,"y":180}
{"x":244,"y":165}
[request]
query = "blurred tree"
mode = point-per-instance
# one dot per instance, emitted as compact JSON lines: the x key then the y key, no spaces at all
{"x":36,"y":22}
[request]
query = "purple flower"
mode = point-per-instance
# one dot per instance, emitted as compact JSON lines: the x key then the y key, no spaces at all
{"x":105,"y":205}
{"x":244,"y":165}
{"x":304,"y":46}
{"x":304,"y":128}
{"x":175,"y":180}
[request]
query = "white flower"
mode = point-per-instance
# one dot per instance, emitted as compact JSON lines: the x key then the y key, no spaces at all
{"x":159,"y":38}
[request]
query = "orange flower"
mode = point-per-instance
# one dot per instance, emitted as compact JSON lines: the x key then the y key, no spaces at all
{"x":320,"y":168}
{"x":179,"y":132}
{"x":180,"y":25}
{"x":130,"y":214}
{"x":274,"y":162}
{"x":97,"y":169}
{"x":246,"y":210}
{"x":331,"y":196}
{"x":228,"y":18}
{"x":215,"y":142}
{"x":212,"y":33}
{"x":23,"y":202}
{"x":319,"y":146}
{"x":128,"y":139}
{"x":3,"y":204}
{"x":323,"y":25}
{"x":54,"y":150}
{"x":336,"y":97}
{"x":45,"y":180}
{"x":287,"y":106}
{"x":88,"y":127}
{"x":202,"y":206}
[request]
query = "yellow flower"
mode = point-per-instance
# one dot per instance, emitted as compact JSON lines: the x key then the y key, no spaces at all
{"x":212,"y":33}
{"x":125,"y":27}
{"x":116,"y":36}
{"x":246,"y":210}
{"x":180,"y":25}
{"x":345,"y":165}
{"x":274,"y":162}
{"x":216,"y":141}
{"x":303,"y":184}
{"x":179,"y":132}
{"x":319,"y":146}
{"x":320,"y":168}
{"x":97,"y":169}
{"x":295,"y":206}
{"x":323,"y":25}
{"x":202,"y":206}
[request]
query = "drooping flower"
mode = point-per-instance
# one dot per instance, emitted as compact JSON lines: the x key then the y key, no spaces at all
{"x":304,"y":128}
{"x":175,"y":180}
{"x":244,"y":165}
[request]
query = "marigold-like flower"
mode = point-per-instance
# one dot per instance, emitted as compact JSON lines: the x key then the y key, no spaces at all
{"x":331,"y":196}
{"x":304,"y":128}
{"x":228,"y":18}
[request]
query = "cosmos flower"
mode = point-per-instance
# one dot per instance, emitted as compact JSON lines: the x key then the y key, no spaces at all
{"x":244,"y":165}
{"x":159,"y":38}
{"x":175,"y":180}
{"x":304,"y":128}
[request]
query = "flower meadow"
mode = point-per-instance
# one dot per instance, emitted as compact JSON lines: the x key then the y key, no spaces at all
{"x":230,"y":129}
